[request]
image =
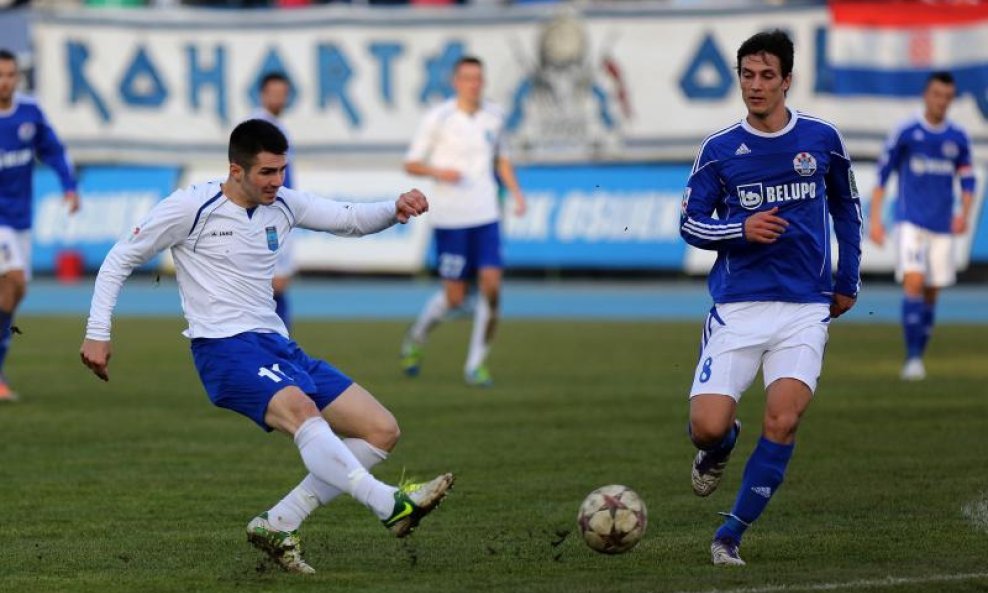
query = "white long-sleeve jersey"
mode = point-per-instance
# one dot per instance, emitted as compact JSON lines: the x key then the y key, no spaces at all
{"x":225,"y":254}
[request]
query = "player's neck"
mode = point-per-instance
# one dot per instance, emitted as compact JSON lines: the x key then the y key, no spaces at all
{"x":7,"y":103}
{"x":236,"y":195}
{"x":467,"y":106}
{"x":772,"y":122}
{"x":935,"y":122}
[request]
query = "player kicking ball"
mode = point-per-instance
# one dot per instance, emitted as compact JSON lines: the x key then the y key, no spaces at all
{"x":774,"y":180}
{"x":225,"y":238}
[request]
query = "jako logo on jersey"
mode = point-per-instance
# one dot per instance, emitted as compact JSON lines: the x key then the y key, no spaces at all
{"x":26,"y":131}
{"x":751,"y":195}
{"x":272,"y":234}
{"x":804,"y":164}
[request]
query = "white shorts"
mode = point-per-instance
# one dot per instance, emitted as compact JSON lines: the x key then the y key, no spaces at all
{"x":284,"y":265}
{"x":925,"y":252}
{"x":15,"y":250}
{"x":786,"y":339}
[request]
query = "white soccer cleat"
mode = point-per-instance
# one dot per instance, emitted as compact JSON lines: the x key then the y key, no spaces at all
{"x":284,"y":547}
{"x":708,"y":468}
{"x":913,"y":370}
{"x":724,"y":552}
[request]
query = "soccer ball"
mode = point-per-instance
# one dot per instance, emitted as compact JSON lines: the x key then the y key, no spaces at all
{"x":612,"y":519}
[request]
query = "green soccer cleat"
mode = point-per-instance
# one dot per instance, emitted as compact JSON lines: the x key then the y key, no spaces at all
{"x":284,"y":547}
{"x":411,"y":358}
{"x":415,"y":501}
{"x":479,"y":377}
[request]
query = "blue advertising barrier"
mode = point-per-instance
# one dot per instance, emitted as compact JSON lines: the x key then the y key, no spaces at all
{"x":599,"y":216}
{"x":114,"y":200}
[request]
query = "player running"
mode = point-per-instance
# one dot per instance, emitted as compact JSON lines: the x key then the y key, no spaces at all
{"x":927,"y":152}
{"x":461,"y":145}
{"x":24,"y":134}
{"x":225,"y":239}
{"x":773,"y":180}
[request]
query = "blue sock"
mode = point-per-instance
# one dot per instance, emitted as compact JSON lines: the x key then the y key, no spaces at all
{"x":5,"y":321}
{"x":281,"y":308}
{"x":929,"y":317}
{"x":762,"y":477}
{"x":726,"y":444}
{"x":912,"y":326}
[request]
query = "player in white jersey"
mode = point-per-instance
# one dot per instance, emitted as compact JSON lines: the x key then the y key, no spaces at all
{"x":460,"y":144}
{"x":225,"y":238}
{"x":927,"y":153}
{"x":275,"y":90}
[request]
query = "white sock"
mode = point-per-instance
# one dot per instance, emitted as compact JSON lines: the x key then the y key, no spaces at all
{"x":327,"y":458}
{"x":298,"y":504}
{"x":435,"y":309}
{"x":478,"y":337}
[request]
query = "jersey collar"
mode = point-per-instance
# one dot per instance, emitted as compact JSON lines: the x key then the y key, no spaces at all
{"x":921,"y":118}
{"x":793,"y":116}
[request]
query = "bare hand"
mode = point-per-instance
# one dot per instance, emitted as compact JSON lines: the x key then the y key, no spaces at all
{"x":877,"y":232}
{"x":521,"y":206}
{"x":841,"y":304}
{"x":72,"y":201}
{"x":410,"y":204}
{"x":96,"y":356}
{"x":764,"y":227}
{"x":447,"y":175}
{"x":959,"y":225}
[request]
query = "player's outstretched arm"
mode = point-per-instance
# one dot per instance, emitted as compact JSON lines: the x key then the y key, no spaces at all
{"x":350,"y":219}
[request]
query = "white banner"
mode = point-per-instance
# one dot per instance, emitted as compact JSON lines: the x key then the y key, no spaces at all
{"x":623,"y":82}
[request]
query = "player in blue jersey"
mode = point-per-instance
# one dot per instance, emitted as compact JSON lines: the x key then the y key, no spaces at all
{"x":275,"y":91}
{"x":926,"y":152}
{"x":24,"y":135}
{"x":761,"y":194}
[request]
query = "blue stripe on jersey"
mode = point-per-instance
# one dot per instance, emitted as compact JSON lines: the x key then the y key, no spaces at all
{"x":203,"y":207}
{"x":285,"y":204}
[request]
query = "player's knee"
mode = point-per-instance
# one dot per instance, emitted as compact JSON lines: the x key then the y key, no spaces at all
{"x":780,"y":427}
{"x":455,"y":299}
{"x":384,"y":434}
{"x":705,"y":432}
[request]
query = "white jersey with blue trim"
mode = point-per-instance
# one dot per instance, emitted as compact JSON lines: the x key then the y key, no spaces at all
{"x":803,"y":169}
{"x":450,"y":138}
{"x":927,"y":158}
{"x":225,"y":254}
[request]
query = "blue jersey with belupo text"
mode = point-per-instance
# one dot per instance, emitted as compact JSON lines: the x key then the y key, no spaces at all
{"x":24,"y":134}
{"x":804,"y":170}
{"x":926,"y":159}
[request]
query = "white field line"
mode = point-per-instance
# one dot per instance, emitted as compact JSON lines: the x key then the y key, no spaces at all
{"x":860,"y":584}
{"x":976,"y":512}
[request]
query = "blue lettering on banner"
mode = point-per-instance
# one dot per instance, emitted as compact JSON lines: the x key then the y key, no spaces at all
{"x":385,"y":52}
{"x":438,"y":72}
{"x":200,"y":77}
{"x":334,"y":75}
{"x":707,"y":76}
{"x":141,"y":86}
{"x":79,"y":88}
{"x":272,"y":64}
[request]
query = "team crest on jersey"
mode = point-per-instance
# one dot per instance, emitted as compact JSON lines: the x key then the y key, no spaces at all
{"x":272,"y":234}
{"x":751,"y":195}
{"x":950,"y":149}
{"x":804,"y":163}
{"x":26,"y":131}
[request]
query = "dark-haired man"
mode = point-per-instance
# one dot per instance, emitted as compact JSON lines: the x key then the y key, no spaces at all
{"x":461,"y":144}
{"x":275,"y":90}
{"x":224,"y":238}
{"x":24,"y":134}
{"x":761,"y":194}
{"x":927,"y":152}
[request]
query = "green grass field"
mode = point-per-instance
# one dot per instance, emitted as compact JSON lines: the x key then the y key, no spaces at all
{"x":141,"y":485}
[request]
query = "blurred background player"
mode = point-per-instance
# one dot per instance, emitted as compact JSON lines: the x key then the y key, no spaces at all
{"x":926,"y":152}
{"x":24,"y":134}
{"x":275,"y":93}
{"x":773,"y":179}
{"x":460,"y":143}
{"x":245,"y":359}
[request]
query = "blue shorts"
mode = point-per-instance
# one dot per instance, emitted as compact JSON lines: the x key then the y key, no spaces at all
{"x":243,"y":372}
{"x":461,"y":252}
